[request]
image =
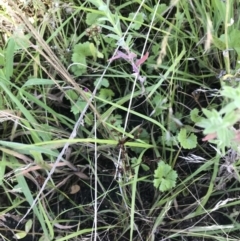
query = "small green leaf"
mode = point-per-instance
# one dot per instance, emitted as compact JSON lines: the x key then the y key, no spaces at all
{"x":234,"y":40}
{"x":89,"y":119}
{"x":145,"y":167}
{"x":82,"y":49}
{"x":20,"y":235}
{"x":80,"y":65}
{"x":28,"y":225}
{"x":80,"y":52}
{"x":164,"y":177}
{"x":106,"y":94}
{"x":160,"y":9}
{"x":104,"y":82}
{"x":187,"y":141}
{"x":93,"y":51}
{"x":78,"y":70}
{"x":92,"y":18}
{"x":103,"y":7}
{"x":144,"y":136}
{"x":138,"y":20}
{"x":160,"y":103}
{"x":79,"y":106}
{"x":97,"y":3}
{"x":71,"y":95}
{"x":134,"y":160}
{"x":110,"y":41}
{"x":194,"y":115}
{"x":100,"y":55}
{"x":115,"y":120}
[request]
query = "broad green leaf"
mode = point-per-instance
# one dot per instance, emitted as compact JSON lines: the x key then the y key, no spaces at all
{"x":100,"y":55}
{"x":28,"y":225}
{"x":138,"y":20}
{"x":71,"y":95}
{"x":20,"y":235}
{"x":194,"y":115}
{"x":234,"y":37}
{"x":115,"y":120}
{"x":187,"y":141}
{"x":218,"y":43}
{"x":93,"y":51}
{"x":79,"y":61}
{"x":97,"y":3}
{"x":89,"y":119}
{"x":159,"y":9}
{"x":80,"y":65}
{"x":145,"y":167}
{"x":106,"y":94}
{"x":103,"y":7}
{"x":93,"y":18}
{"x":104,"y":82}
{"x":164,"y":177}
{"x":82,"y":49}
{"x":78,"y":70}
{"x":79,"y":106}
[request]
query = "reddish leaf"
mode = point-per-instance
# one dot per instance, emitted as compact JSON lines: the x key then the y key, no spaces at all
{"x":209,"y":137}
{"x":142,"y":60}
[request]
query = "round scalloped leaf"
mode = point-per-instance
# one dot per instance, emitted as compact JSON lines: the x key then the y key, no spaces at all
{"x":138,"y":20}
{"x":187,"y":141}
{"x":83,"y":49}
{"x":80,"y":66}
{"x":164,"y":177}
{"x":194,"y":115}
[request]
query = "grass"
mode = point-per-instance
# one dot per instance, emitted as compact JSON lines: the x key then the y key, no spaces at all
{"x":119,"y":120}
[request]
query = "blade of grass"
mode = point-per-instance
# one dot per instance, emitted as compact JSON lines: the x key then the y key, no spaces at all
{"x":133,"y":225}
{"x":27,"y":193}
{"x":9,"y":58}
{"x":211,"y":185}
